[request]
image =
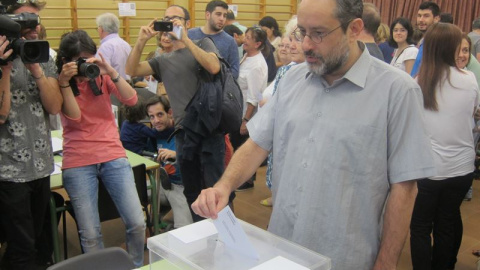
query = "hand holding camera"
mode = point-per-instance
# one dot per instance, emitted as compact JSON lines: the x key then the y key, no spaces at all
{"x":147,"y":32}
{"x":3,"y":45}
{"x":162,"y":26}
{"x":105,"y":67}
{"x":85,"y":68}
{"x":79,"y":67}
{"x":69,"y":70}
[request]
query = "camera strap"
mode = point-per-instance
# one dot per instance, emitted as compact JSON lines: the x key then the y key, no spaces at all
{"x":73,"y":85}
{"x":94,"y":86}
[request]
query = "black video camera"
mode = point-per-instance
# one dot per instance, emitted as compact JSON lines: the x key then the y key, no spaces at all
{"x":30,"y":51}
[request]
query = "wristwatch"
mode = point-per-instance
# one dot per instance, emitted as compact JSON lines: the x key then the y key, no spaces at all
{"x":116,"y":79}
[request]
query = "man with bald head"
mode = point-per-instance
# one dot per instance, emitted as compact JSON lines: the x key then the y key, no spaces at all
{"x":348,"y":144}
{"x":371,"y":21}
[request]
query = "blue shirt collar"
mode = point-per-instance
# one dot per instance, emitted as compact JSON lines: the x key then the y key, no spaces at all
{"x":357,"y":74}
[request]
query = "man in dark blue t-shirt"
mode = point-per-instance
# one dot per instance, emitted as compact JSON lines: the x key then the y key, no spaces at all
{"x":216,"y":16}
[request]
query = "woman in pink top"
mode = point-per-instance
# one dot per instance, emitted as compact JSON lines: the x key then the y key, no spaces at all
{"x":92,"y":147}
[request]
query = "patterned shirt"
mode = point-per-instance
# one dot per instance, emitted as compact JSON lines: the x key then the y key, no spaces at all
{"x":25,"y":146}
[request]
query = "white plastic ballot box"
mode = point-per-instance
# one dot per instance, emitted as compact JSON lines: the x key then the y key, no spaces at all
{"x":211,"y":253}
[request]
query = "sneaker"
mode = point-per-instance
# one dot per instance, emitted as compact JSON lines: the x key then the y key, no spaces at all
{"x":164,"y":179}
{"x":469,"y":195}
{"x":266,"y":202}
{"x":246,"y":186}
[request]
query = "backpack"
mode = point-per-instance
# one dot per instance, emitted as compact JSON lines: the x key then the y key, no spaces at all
{"x":232,"y":97}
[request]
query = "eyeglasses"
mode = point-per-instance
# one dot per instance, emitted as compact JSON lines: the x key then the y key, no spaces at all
{"x":316,"y":37}
{"x":169,"y":19}
{"x":281,"y":46}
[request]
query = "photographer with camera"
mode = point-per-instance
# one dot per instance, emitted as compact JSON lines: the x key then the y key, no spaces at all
{"x":178,"y":70}
{"x":92,"y":147}
{"x":28,"y":92}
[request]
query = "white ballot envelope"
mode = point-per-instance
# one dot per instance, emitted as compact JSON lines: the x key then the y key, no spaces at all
{"x":231,"y":233}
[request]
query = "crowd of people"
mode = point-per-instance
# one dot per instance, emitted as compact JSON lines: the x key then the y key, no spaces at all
{"x":368,"y":131}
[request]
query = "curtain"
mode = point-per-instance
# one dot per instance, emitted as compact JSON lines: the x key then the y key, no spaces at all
{"x":463,"y":11}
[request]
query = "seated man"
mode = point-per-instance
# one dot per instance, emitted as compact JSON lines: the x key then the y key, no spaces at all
{"x":160,"y":115}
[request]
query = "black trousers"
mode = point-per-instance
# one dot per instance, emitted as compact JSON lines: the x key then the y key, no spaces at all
{"x":23,"y":208}
{"x":204,"y":170}
{"x":437,"y":211}
{"x":237,"y":140}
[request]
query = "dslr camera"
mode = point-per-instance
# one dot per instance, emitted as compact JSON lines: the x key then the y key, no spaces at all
{"x":89,"y":70}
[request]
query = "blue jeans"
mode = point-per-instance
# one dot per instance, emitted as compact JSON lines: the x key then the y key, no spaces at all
{"x":81,"y":184}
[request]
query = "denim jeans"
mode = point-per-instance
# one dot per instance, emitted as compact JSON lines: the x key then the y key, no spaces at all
{"x":81,"y":184}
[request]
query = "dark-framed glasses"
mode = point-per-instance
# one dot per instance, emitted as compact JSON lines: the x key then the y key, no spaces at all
{"x":169,"y":19}
{"x":316,"y":37}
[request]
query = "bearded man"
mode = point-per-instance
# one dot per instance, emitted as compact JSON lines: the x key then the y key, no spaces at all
{"x":215,"y":19}
{"x":348,"y":143}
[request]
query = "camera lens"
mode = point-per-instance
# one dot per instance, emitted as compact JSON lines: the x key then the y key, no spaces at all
{"x":31,"y":51}
{"x":89,"y":70}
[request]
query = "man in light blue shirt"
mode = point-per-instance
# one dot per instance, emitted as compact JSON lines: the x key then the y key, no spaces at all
{"x":348,"y":143}
{"x":114,"y":49}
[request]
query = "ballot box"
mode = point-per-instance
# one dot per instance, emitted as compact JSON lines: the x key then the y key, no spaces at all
{"x":209,"y":252}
